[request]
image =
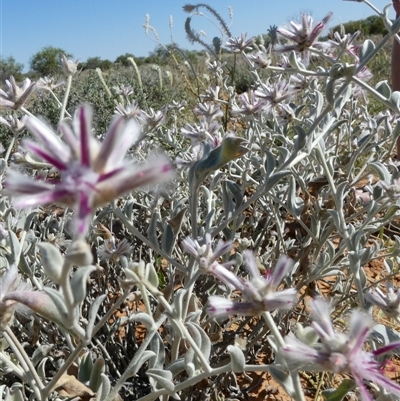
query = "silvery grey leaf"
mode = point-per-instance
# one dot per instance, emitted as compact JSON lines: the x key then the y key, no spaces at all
{"x":389,"y":265}
{"x":144,"y":318}
{"x":210,"y":218}
{"x":294,"y":62}
{"x":99,"y":367}
{"x":151,"y":274}
{"x":236,"y":191}
{"x":94,"y":308}
{"x":301,"y":138}
{"x":157,"y":346}
{"x":205,"y":342}
{"x":395,"y":100}
{"x":385,"y":335}
{"x":330,"y":91}
{"x":227,"y":202}
{"x":190,"y":369}
{"x":128,"y":209}
{"x":24,"y":266}
{"x":270,"y":164}
{"x":40,"y":352}
{"x":152,"y":230}
{"x":85,"y":368}
{"x":59,"y":302}
{"x":79,"y":283}
{"x":238,"y":361}
{"x":104,"y":388}
{"x":29,"y":218}
{"x":52,"y":261}
{"x":284,"y":380}
{"x":15,"y":247}
{"x":41,"y":369}
{"x":337,"y":394}
{"x":168,"y":239}
{"x":366,"y":49}
{"x":178,"y":301}
{"x":295,"y":204}
{"x":237,"y":223}
{"x":146,"y":355}
{"x":384,"y":89}
{"x":275,"y":178}
{"x":163,"y":378}
{"x":339,"y":195}
{"x":189,"y":360}
{"x":15,"y":395}
{"x":176,"y":366}
{"x":342,"y":100}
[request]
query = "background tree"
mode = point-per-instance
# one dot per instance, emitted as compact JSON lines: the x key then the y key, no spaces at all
{"x":372,"y":25}
{"x":123,"y":60}
{"x":9,"y":66}
{"x":96,"y":62}
{"x":48,"y":61}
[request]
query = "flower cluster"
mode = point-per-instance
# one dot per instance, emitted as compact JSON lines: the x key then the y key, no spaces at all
{"x":261,"y":293}
{"x":339,"y":352}
{"x":304,"y":36}
{"x":16,"y":96}
{"x":91,"y":174}
{"x":389,"y":302}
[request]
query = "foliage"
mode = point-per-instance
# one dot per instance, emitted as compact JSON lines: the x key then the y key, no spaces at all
{"x":48,"y":61}
{"x":96,"y":62}
{"x":123,"y":60}
{"x":285,"y":191}
{"x":9,"y":66}
{"x":369,"y":26}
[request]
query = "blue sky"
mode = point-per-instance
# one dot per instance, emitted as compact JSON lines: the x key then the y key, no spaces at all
{"x":109,"y":28}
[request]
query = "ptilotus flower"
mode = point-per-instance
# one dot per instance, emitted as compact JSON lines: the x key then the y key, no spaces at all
{"x":212,"y":94}
{"x":202,"y":132}
{"x":275,"y":93}
{"x":48,"y":83}
{"x":204,"y":254}
{"x":339,"y":352}
{"x":248,"y":104}
{"x":284,"y":114}
{"x":260,"y":292}
{"x":303,"y":35}
{"x":216,"y":67}
{"x":389,"y":302}
{"x":69,"y":67}
{"x":124,"y":90}
{"x":344,"y":42}
{"x":240,"y":44}
{"x":16,"y":96}
{"x":14,"y":124}
{"x":261,"y":59}
{"x":131,"y":110}
{"x":154,"y":119}
{"x":92,"y":174}
{"x":112,"y":250}
{"x":209,"y":110}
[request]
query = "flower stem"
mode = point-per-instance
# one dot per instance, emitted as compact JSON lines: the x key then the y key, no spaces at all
{"x":30,"y":371}
{"x":65,"y":100}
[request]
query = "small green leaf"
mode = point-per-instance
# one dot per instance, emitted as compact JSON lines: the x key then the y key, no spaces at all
{"x":339,"y":393}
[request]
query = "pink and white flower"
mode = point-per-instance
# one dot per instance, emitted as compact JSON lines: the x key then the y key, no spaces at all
{"x":91,"y":174}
